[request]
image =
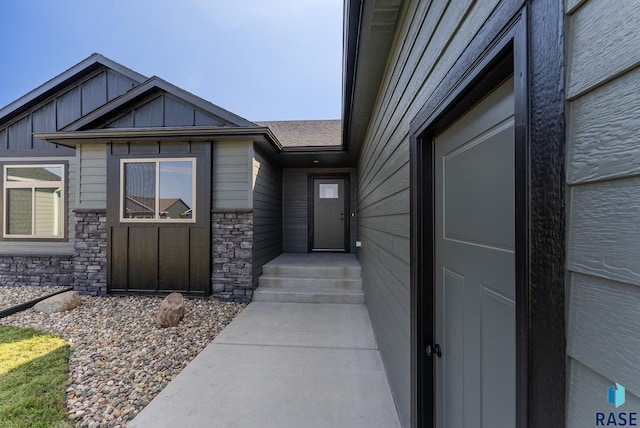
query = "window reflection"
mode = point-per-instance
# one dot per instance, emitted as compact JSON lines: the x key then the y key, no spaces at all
{"x":158,"y":190}
{"x":176,"y":189}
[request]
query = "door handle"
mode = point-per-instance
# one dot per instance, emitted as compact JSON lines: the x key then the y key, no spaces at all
{"x":433,"y":350}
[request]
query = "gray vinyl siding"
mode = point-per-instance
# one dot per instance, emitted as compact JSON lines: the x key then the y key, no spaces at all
{"x":603,"y":164}
{"x":587,"y":396}
{"x":59,"y":110}
{"x":35,"y":247}
{"x":232,"y":174}
{"x":430,"y":37}
{"x":267,"y":212}
{"x":295,"y":222}
{"x":92,"y":189}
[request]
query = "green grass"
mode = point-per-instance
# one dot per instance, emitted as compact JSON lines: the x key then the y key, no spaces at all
{"x":33,"y":377}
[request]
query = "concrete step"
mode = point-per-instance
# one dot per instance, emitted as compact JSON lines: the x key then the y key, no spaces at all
{"x":297,"y":271}
{"x":307,"y":295}
{"x":354,"y":284}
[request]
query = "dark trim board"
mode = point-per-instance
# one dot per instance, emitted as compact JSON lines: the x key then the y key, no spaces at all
{"x":523,"y":41}
{"x":347,"y":212}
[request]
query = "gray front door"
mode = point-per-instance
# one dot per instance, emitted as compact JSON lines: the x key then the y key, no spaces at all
{"x":475,"y":267}
{"x":329,"y":215}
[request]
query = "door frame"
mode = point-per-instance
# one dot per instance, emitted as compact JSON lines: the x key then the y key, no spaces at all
{"x":506,"y":45}
{"x":347,"y":214}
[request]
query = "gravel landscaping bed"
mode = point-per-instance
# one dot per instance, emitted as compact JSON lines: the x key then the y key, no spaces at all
{"x":120,"y":360}
{"x":11,"y":296}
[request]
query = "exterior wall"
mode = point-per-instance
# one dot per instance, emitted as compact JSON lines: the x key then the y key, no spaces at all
{"x":232,"y":221}
{"x":603,"y":163}
{"x":295,"y":216}
{"x":267,"y":213}
{"x":90,"y":260}
{"x":52,"y":262}
{"x":151,"y":257}
{"x":92,"y":182}
{"x":429,"y":39}
{"x":232,"y":174}
{"x":162,"y":110}
{"x":232,"y":255}
{"x":37,"y":269}
{"x":28,"y":246}
{"x":59,"y":111}
{"x":295,"y":220}
{"x":83,"y":253}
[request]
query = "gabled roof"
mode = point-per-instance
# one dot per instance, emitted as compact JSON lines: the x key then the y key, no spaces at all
{"x":45,"y":90}
{"x":139,"y":92}
{"x":306,"y":133}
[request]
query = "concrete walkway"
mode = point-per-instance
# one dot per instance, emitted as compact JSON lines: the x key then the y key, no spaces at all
{"x":282,"y":365}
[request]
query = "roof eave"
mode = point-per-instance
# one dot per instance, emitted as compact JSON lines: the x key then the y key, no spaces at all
{"x":352,"y":18}
{"x":120,"y":135}
{"x":368,"y":40}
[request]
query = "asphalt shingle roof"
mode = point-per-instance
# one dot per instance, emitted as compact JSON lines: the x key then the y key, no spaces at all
{"x":301,"y":133}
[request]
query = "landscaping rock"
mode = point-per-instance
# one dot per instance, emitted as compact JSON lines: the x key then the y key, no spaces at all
{"x":114,"y":346}
{"x":171,"y":311}
{"x":59,"y":303}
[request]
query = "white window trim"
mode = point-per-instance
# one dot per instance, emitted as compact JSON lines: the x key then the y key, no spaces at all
{"x":157,"y":161}
{"x":32,"y":185}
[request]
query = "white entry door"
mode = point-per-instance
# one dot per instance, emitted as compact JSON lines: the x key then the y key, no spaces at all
{"x":475,"y":267}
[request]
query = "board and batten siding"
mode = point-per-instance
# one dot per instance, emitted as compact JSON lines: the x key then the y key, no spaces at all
{"x":430,"y":37}
{"x":92,"y":186}
{"x":59,"y":110}
{"x":34,"y":247}
{"x":232,"y":174}
{"x":295,"y":221}
{"x":603,"y":177}
{"x":163,"y":110}
{"x":267,"y":212}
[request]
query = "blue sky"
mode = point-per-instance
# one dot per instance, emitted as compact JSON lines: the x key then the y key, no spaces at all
{"x":261,"y":59}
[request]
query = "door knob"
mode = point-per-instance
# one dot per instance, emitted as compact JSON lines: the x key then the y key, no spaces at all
{"x":434,"y":350}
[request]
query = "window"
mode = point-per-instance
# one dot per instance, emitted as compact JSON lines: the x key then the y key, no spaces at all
{"x":33,"y":201}
{"x":157,"y":190}
{"x":329,"y":191}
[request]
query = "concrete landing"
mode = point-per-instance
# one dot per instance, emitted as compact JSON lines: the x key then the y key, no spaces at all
{"x":280,"y":365}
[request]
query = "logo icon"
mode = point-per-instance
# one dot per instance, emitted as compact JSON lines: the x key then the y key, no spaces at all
{"x":616,"y":395}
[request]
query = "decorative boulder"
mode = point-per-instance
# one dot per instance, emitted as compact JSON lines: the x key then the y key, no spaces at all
{"x":59,"y":303}
{"x":171,"y":311}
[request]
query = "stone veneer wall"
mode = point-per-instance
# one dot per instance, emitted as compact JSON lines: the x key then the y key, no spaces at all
{"x":36,"y":269}
{"x":232,"y":255}
{"x":90,"y":261}
{"x":86,"y":270}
